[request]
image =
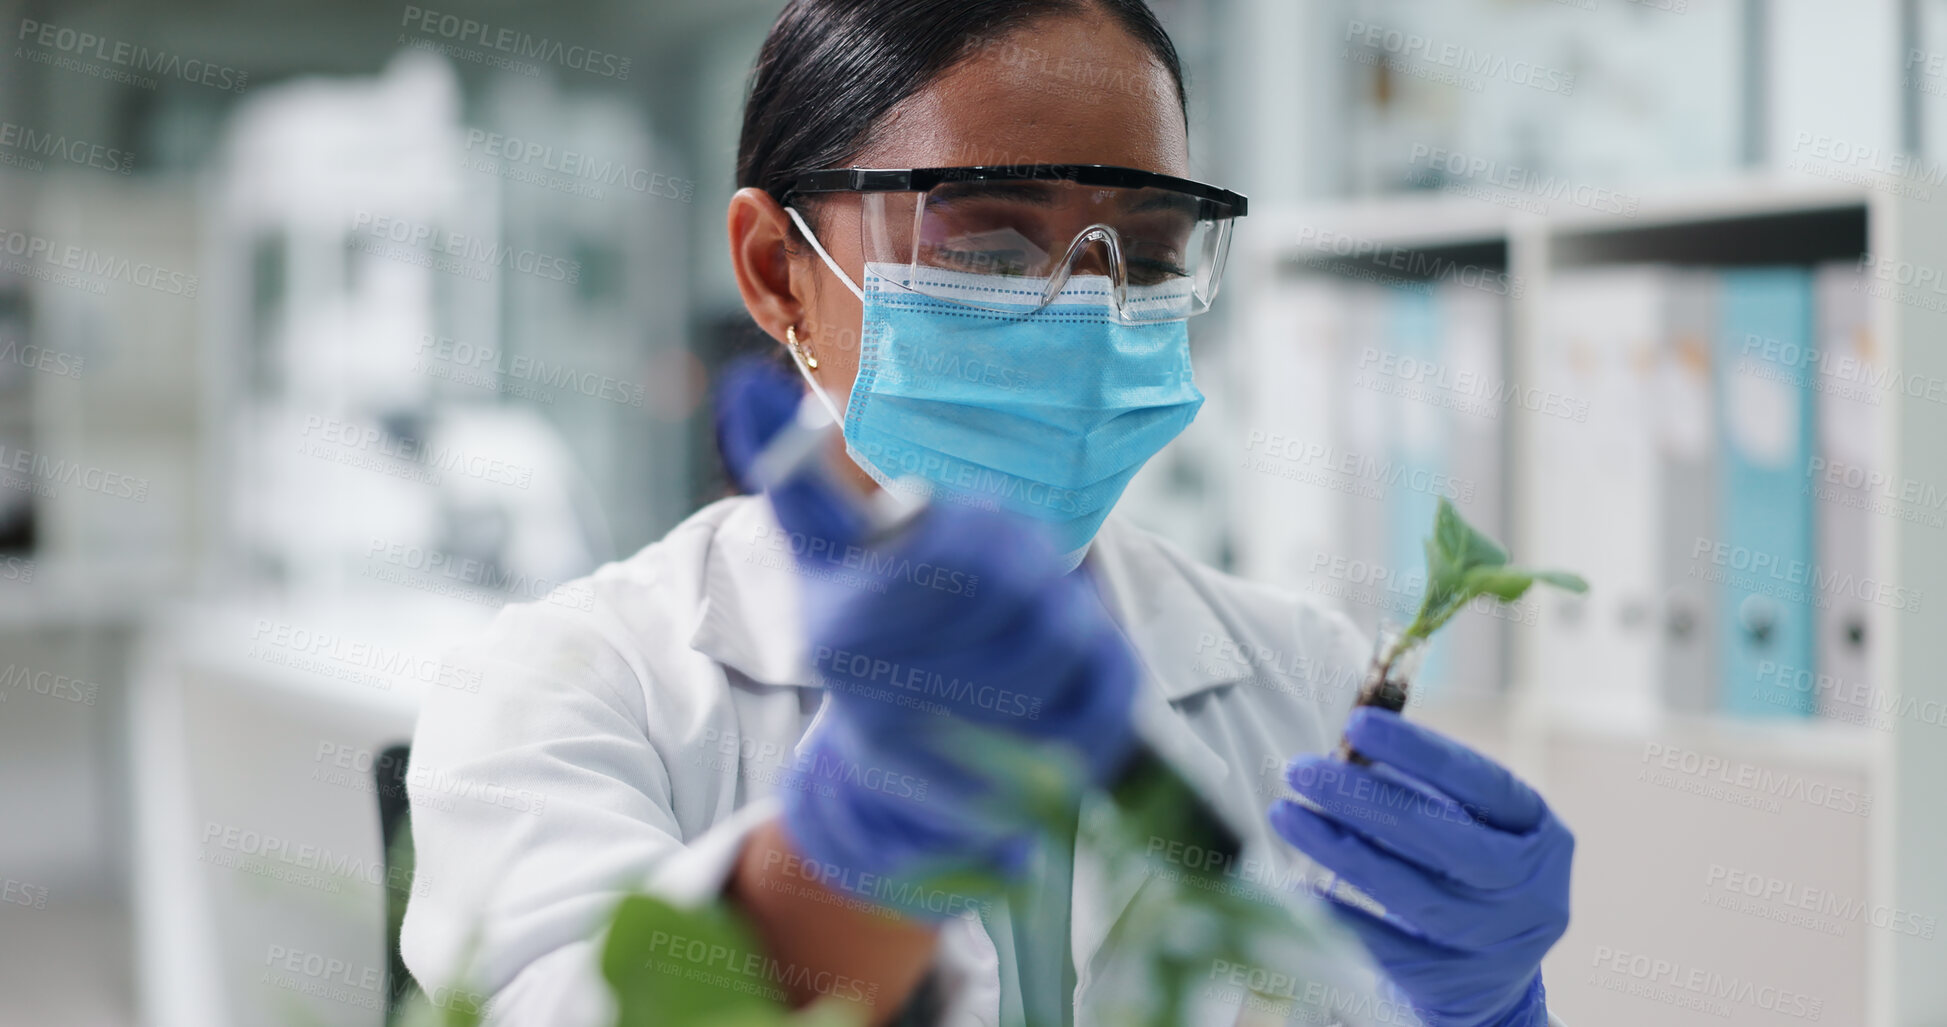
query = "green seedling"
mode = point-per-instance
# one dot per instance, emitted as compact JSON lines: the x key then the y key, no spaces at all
{"x":1462,"y":564}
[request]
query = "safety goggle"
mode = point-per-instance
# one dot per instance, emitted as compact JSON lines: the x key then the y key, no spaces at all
{"x":1158,"y":241}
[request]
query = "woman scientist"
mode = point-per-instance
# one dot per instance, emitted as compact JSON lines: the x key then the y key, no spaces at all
{"x":753,"y":707}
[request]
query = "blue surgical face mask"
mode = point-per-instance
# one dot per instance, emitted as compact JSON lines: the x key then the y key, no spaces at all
{"x":1047,"y":413}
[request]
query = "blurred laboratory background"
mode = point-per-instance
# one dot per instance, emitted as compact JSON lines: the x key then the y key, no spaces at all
{"x":329,"y":328}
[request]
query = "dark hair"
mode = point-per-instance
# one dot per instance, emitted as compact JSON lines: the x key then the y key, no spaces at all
{"x":831,"y":69}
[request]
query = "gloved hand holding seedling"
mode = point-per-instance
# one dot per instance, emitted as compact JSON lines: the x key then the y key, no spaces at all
{"x":1461,"y":564}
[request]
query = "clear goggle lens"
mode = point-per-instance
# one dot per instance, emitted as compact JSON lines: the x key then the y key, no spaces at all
{"x":1159,"y":252}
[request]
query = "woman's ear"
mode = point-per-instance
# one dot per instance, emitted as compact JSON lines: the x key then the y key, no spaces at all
{"x":759,"y":232}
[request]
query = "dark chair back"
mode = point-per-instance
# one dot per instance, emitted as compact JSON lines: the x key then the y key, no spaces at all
{"x":395,"y":833}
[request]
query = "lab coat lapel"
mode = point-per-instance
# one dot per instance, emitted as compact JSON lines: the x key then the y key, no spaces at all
{"x":750,"y":617}
{"x":1167,"y":622}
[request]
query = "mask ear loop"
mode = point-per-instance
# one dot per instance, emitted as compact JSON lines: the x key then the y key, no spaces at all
{"x":797,"y":351}
{"x":888,"y":507}
{"x":822,"y":255}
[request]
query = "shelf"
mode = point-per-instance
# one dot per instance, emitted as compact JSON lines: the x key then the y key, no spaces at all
{"x":1731,"y":200}
{"x":1746,"y":221}
{"x":1437,"y":221}
{"x":1412,"y":221}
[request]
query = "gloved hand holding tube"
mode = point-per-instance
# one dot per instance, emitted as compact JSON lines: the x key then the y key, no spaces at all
{"x":959,"y":622}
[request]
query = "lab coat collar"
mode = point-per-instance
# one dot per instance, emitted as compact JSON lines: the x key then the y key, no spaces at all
{"x":750,"y":617}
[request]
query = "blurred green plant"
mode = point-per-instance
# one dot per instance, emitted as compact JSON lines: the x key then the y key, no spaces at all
{"x":651,"y":962}
{"x":1190,"y":915}
{"x":667,"y":964}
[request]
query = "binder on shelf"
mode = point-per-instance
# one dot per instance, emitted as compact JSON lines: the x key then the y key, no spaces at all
{"x":1686,"y":443}
{"x":1473,"y":342}
{"x":1840,"y":479}
{"x":1763,"y":557}
{"x":1597,"y":475}
{"x":1364,"y":432}
{"x":1288,"y":389}
{"x":1414,"y":462}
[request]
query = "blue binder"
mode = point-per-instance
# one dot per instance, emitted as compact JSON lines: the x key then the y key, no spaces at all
{"x":1418,"y":451}
{"x":1763,"y":560}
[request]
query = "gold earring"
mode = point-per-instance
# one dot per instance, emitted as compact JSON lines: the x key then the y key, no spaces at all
{"x":791,"y":340}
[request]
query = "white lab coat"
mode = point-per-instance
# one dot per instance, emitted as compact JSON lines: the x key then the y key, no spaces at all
{"x":642,"y":715}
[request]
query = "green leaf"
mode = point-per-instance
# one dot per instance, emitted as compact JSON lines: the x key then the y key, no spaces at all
{"x":671,"y":965}
{"x":1442,"y":573}
{"x":1510,"y":583}
{"x":1563,"y":580}
{"x":1462,"y":563}
{"x":1464,"y":546}
{"x":1449,"y":533}
{"x":1504,"y":583}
